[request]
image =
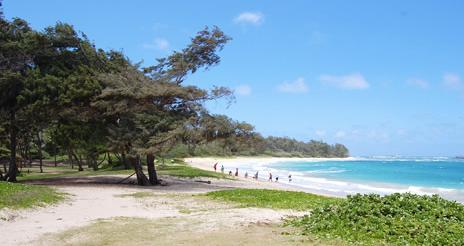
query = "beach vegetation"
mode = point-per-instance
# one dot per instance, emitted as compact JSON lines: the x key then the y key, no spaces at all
{"x":62,"y":96}
{"x":275,"y":199}
{"x":397,"y":219}
{"x":16,"y":196}
{"x":58,"y":92}
{"x":176,"y":169}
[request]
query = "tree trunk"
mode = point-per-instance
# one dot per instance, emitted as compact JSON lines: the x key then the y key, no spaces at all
{"x":12,"y":169}
{"x":56,"y":164}
{"x":141,"y":177}
{"x":29,"y":156}
{"x":92,"y":161}
{"x":152,"y":175}
{"x":79,"y":162}
{"x":39,"y":145}
{"x":110,"y":161}
{"x":125,"y":161}
{"x":88,"y":161}
{"x":70,"y":159}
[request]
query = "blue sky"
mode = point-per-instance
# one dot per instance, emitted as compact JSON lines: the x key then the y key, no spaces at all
{"x":380,"y":77}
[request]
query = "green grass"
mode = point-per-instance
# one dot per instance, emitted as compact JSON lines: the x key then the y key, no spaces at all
{"x":178,"y":169}
{"x":184,"y":230}
{"x":16,"y":196}
{"x":55,"y":172}
{"x":397,"y":219}
{"x":274,"y":199}
{"x":186,"y":171}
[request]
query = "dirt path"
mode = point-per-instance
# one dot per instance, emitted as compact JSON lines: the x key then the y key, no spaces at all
{"x":173,"y":208}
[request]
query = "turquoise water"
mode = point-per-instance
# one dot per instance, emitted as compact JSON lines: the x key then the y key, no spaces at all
{"x":438,"y":172}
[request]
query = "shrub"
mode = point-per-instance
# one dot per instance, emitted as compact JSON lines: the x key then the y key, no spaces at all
{"x":398,"y":219}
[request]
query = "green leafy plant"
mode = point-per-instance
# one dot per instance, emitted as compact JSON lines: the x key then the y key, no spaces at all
{"x":400,"y":219}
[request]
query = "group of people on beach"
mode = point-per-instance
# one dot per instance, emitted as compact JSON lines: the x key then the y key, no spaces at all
{"x":246,"y":173}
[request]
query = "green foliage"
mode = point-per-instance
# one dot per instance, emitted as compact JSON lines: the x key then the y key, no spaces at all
{"x":186,"y":171}
{"x":305,"y":149}
{"x":15,"y":196}
{"x":399,"y":219}
{"x":59,"y":94}
{"x":275,"y":199}
{"x":219,"y":135}
{"x":59,"y":172}
{"x":178,"y":169}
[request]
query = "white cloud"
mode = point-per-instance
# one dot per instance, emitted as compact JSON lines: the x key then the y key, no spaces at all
{"x":349,"y":81}
{"x":243,"y":90}
{"x":158,"y":44}
{"x":254,"y":18}
{"x":320,"y":133}
{"x":418,"y":83}
{"x":452,"y":81}
{"x":340,"y":134}
{"x":297,"y":86}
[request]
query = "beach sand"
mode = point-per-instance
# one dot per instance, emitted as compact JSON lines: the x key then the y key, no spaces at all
{"x":95,"y":202}
{"x":315,"y":184}
{"x":244,"y":163}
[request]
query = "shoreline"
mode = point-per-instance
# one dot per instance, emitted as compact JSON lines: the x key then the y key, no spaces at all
{"x":230,"y":163}
{"x":314,"y":184}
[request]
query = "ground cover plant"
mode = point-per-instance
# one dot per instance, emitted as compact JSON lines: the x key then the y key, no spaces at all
{"x":15,"y":196}
{"x":398,"y":219}
{"x":275,"y":199}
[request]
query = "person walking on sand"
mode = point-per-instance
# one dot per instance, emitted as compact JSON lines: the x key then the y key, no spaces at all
{"x":236,"y":172}
{"x":215,"y":166}
{"x":270,"y":177}
{"x":246,"y":175}
{"x":222,"y":168}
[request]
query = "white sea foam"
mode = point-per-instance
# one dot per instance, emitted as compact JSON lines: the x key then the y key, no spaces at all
{"x":306,"y":179}
{"x":311,"y":180}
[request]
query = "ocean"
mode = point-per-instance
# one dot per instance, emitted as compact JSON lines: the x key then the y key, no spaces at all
{"x":382,"y":175}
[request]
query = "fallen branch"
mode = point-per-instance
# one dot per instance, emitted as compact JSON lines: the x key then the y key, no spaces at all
{"x":124,"y":179}
{"x":202,"y":181}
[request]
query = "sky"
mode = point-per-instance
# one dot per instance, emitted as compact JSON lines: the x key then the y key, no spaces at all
{"x":381,"y":77}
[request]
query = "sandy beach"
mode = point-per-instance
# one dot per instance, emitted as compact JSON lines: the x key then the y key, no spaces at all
{"x":167,"y":208}
{"x":313,"y":183}
{"x":246,"y":163}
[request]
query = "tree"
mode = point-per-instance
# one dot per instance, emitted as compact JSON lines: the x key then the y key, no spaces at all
{"x":151,"y":109}
{"x":1,"y":10}
{"x":16,"y":61}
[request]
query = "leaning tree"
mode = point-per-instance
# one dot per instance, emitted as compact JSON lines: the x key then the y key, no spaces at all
{"x":146,"y":110}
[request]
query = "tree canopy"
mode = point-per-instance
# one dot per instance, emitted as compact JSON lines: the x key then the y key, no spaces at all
{"x":61,"y":94}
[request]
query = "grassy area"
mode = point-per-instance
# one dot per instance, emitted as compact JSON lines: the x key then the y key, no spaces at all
{"x":15,"y":196}
{"x":275,"y":199}
{"x":171,"y":231}
{"x":55,"y":172}
{"x":178,"y":169}
{"x":186,"y":171}
{"x":398,"y":219}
